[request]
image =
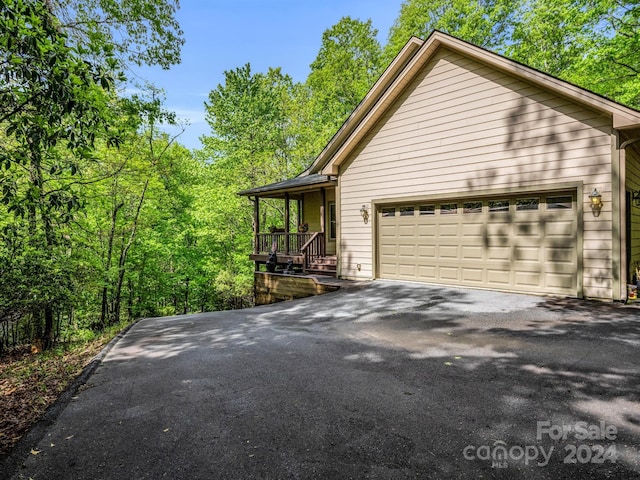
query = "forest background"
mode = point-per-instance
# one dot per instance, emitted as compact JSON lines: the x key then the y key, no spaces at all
{"x":105,"y":218}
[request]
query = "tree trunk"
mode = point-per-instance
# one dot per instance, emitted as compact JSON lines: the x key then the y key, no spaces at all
{"x":47,"y":336}
{"x":104,"y":311}
{"x":130,"y":300}
{"x":123,"y":258}
{"x":37,"y":179}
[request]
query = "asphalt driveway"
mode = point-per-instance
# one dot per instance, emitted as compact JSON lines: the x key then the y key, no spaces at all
{"x":386,"y":381}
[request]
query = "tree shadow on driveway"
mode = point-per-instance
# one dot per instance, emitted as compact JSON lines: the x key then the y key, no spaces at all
{"x":509,"y":364}
{"x":388,"y":380}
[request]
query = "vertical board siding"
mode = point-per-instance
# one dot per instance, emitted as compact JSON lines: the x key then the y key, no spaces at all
{"x":311,"y":210}
{"x":462,"y":127}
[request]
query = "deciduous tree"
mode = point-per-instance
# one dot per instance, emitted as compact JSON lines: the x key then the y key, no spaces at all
{"x":486,"y":23}
{"x":347,"y":65}
{"x":60,"y":62}
{"x":142,"y":32}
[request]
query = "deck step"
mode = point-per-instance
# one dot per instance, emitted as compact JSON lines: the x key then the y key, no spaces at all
{"x":330,"y":260}
{"x":323,"y":266}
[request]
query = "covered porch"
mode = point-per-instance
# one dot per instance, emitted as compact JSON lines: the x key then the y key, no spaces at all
{"x":300,"y":230}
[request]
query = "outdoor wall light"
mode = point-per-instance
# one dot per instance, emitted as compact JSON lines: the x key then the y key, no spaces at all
{"x":596,"y":202}
{"x":365,"y":213}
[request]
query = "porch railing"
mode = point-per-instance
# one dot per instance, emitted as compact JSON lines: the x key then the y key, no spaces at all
{"x":313,"y":249}
{"x":286,"y":243}
{"x":309,"y":245}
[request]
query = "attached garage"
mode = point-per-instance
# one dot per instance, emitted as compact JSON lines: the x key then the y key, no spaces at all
{"x":523,"y":243}
{"x":461,"y":167}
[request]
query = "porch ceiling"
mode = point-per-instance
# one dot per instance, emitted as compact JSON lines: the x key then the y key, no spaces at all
{"x":293,"y":186}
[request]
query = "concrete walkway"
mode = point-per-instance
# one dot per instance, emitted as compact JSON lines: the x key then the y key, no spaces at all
{"x":387,"y":381}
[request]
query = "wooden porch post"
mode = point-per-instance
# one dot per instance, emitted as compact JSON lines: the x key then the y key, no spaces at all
{"x":256,"y":228}
{"x":286,"y":223}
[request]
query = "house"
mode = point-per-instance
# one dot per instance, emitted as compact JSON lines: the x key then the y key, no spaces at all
{"x":462,"y":167}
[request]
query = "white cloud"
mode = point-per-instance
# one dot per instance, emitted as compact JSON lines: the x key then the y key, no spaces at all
{"x":191,"y":115}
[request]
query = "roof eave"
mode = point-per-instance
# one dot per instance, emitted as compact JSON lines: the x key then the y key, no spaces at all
{"x":279,"y":189}
{"x":291,"y":191}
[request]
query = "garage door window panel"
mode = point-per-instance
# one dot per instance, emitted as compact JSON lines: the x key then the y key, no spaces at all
{"x":560,"y":203}
{"x":407,"y":211}
{"x":427,"y":209}
{"x":449,"y":209}
{"x":472,"y":207}
{"x":526,"y":204}
{"x":498,"y":206}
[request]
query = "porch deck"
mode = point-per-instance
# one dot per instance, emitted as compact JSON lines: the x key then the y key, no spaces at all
{"x":305,"y":250}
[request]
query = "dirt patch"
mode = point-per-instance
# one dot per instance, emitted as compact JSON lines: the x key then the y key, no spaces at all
{"x":31,"y":383}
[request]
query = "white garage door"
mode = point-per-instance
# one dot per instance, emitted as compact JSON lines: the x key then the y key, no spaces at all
{"x":524,"y":243}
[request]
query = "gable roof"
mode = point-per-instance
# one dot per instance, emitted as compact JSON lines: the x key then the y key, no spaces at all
{"x":406,"y":66}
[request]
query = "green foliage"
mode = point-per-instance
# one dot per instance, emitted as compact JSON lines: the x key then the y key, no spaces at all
{"x":251,"y":128}
{"x":612,"y":66}
{"x":143,"y":32}
{"x":55,"y":107}
{"x":103,"y":217}
{"x":80,"y":335}
{"x":554,"y":35}
{"x":30,"y":276}
{"x":224,"y":236}
{"x":51,"y":102}
{"x":592,"y":43}
{"x":347,"y":65}
{"x":486,"y":23}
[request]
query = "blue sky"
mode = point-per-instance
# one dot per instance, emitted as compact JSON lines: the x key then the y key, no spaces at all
{"x":223,"y":35}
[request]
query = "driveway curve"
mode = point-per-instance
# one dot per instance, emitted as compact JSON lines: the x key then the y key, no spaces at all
{"x":389,"y":380}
